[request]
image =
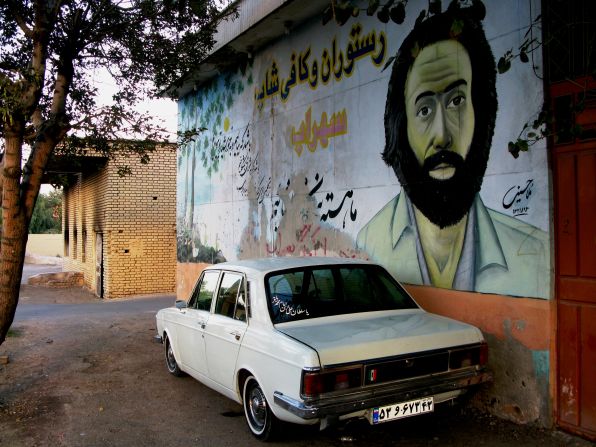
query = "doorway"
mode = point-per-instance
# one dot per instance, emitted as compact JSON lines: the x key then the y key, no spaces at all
{"x":99,"y":264}
{"x":574,"y":169}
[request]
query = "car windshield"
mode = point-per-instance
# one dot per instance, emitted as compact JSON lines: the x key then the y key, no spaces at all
{"x":333,"y":290}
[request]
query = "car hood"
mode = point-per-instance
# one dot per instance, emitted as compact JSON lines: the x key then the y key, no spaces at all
{"x":357,"y":337}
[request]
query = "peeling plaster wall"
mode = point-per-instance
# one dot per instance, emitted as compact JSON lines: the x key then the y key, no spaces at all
{"x":518,"y":333}
{"x":289,"y":164}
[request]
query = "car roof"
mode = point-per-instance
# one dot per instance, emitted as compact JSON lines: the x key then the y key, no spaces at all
{"x":270,"y":264}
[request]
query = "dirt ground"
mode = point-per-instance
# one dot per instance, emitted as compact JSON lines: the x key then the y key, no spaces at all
{"x":91,"y":376}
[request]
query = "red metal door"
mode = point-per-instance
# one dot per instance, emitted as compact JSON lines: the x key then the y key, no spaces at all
{"x":575,"y":211}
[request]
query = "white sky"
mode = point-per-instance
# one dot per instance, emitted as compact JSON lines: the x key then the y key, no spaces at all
{"x":163,"y":109}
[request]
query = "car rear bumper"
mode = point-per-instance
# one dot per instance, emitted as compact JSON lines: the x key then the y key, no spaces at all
{"x":382,"y":395}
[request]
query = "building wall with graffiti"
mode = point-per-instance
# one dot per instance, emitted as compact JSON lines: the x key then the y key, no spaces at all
{"x":390,"y":142}
{"x":295,"y":155}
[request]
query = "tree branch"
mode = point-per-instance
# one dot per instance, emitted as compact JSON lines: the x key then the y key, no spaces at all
{"x":18,"y":18}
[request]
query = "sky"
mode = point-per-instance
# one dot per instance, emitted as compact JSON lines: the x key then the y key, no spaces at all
{"x":164,"y":109}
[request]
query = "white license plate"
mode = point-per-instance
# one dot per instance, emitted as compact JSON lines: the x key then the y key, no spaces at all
{"x":402,"y":410}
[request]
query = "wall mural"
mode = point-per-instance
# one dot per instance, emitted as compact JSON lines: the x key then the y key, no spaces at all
{"x":200,"y":159}
{"x":310,"y":135}
{"x":327,"y":154}
{"x":335,"y":64}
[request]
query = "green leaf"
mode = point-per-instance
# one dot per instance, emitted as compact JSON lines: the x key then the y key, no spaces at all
{"x":342,"y":14}
{"x":503,"y":65}
{"x":398,"y":13}
{"x":383,"y":15}
{"x":373,"y":5}
{"x":524,"y":57}
{"x":456,"y":28}
{"x":513,"y":149}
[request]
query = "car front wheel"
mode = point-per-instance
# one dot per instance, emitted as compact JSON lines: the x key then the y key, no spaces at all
{"x":259,"y":417}
{"x":171,"y":362}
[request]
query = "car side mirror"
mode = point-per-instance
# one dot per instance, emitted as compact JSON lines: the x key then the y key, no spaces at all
{"x":180,"y":304}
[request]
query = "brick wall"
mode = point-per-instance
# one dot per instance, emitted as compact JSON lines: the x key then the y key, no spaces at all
{"x":136,"y":217}
{"x":83,"y":205}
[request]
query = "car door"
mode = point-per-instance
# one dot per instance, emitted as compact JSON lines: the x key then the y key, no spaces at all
{"x":225,"y":328}
{"x":192,"y":321}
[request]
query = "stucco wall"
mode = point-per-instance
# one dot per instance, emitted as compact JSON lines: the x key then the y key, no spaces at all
{"x":186,"y":278}
{"x":45,"y":244}
{"x":291,"y":165}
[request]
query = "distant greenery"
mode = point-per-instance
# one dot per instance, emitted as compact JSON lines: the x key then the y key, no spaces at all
{"x":14,"y":332}
{"x":47,"y":214}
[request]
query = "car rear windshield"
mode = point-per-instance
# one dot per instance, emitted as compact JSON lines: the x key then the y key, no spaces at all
{"x":333,"y":290}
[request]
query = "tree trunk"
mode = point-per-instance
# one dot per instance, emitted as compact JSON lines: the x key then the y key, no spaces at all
{"x":12,"y":258}
{"x":14,"y":229}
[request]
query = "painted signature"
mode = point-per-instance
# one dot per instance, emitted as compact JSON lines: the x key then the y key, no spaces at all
{"x":517,"y":198}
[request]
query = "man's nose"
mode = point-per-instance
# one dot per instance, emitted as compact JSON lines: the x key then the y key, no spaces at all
{"x":441,"y":137}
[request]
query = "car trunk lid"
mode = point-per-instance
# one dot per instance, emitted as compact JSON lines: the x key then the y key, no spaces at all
{"x":375,"y":335}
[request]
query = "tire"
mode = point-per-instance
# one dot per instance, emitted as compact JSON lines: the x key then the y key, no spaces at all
{"x":171,"y":362}
{"x":260,"y":419}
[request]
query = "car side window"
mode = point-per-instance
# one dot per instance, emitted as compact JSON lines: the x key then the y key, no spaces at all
{"x":241,"y":305}
{"x":202,"y":295}
{"x":231,"y":297}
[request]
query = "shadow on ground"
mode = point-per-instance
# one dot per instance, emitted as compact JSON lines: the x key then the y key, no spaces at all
{"x":84,"y":372}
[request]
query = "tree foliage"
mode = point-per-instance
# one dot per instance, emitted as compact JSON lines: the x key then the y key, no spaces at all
{"x":47,"y":214}
{"x":50,"y":50}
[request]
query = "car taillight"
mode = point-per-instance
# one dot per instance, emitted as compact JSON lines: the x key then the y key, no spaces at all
{"x":315,"y":383}
{"x":469,"y":356}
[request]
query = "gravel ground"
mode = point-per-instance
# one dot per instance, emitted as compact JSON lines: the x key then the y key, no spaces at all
{"x":91,"y":376}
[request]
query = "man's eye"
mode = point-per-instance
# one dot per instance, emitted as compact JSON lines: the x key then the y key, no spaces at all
{"x":423,"y":112}
{"x":458,"y":101}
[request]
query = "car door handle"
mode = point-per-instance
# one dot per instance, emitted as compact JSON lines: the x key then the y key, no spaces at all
{"x":236,"y":334}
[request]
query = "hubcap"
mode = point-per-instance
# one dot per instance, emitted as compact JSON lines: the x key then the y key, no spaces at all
{"x":257,"y":408}
{"x":171,"y":361}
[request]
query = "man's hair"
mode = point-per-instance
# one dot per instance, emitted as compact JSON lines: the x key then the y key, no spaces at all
{"x":464,"y":26}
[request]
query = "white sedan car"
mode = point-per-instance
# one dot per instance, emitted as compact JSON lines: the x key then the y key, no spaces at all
{"x":318,"y":340}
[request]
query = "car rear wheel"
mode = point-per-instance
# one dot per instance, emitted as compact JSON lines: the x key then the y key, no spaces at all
{"x":259,"y":417}
{"x":171,"y":362}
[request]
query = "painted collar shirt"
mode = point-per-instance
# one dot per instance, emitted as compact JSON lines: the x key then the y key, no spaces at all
{"x":500,"y":254}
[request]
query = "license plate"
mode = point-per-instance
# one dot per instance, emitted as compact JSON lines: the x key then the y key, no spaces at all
{"x":402,"y":410}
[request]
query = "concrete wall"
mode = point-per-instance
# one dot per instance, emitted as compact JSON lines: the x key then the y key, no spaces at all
{"x":291,"y":165}
{"x":45,"y":244}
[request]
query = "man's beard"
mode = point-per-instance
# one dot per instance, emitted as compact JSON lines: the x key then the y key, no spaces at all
{"x":443,"y":202}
